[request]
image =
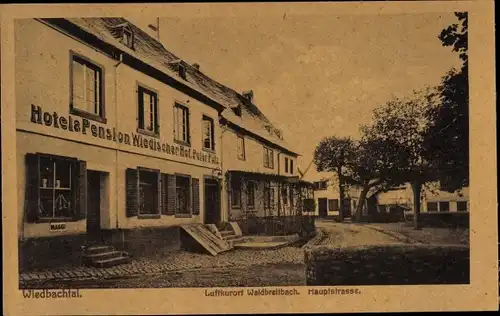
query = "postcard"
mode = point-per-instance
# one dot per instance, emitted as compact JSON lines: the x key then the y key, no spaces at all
{"x":249,"y":158}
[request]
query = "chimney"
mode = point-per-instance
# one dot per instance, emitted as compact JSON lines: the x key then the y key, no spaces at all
{"x":197,"y":66}
{"x":248,"y":95}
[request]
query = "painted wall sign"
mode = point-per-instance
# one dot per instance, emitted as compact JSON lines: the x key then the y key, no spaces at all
{"x":85,"y":127}
{"x":57,"y":227}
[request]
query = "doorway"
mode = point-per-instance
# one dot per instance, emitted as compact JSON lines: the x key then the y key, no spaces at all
{"x":323,"y":207}
{"x":94,"y":207}
{"x":212,"y":201}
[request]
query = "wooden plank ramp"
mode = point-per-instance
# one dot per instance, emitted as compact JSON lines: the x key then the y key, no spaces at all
{"x":208,"y":240}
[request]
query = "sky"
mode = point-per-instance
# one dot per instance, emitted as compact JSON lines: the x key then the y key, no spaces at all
{"x":315,"y":75}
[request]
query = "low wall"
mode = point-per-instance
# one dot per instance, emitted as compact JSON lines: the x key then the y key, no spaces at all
{"x":278,"y":225}
{"x":445,"y":220}
{"x":146,"y":241}
{"x":388,"y":265}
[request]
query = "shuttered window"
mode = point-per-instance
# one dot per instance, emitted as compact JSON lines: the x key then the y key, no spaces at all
{"x":56,"y":188}
{"x":144,"y":192}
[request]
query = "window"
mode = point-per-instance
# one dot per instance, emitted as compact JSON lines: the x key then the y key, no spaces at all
{"x":128,"y":38}
{"x":183,"y":194}
{"x":86,"y":89}
{"x":181,"y":124}
{"x":320,"y":185}
{"x":56,"y":189}
{"x":241,"y":147}
{"x":268,"y":158}
{"x":432,"y":207}
{"x":444,"y":206}
{"x":333,"y":205}
{"x":182,"y":71}
{"x":208,"y":133}
{"x":235,"y":193}
{"x":148,"y":110}
{"x":291,"y":166}
{"x":462,"y":206}
{"x":148,"y":192}
{"x":268,"y":197}
{"x":286,"y":164}
{"x":251,"y":194}
{"x":284,"y":196}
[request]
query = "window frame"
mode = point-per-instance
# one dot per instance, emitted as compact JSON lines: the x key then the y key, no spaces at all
{"x":140,"y":89}
{"x":242,"y":138}
{"x":126,"y":30}
{"x":158,"y":193}
{"x":447,"y":211}
{"x":239,"y":189}
{"x":286,"y":164}
{"x":100,"y":96}
{"x":206,"y":118}
{"x":183,"y":107}
{"x":190,"y":196}
{"x":432,"y":202}
{"x":332,"y":206}
{"x":268,"y":153}
{"x":466,"y":206}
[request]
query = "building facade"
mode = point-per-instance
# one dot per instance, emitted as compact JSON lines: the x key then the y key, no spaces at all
{"x":120,"y":140}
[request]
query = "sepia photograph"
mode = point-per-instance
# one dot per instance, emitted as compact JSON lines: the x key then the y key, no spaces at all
{"x":242,"y":154}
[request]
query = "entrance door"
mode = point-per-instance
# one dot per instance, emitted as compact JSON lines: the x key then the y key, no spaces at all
{"x":323,"y":207}
{"x":212,"y":201}
{"x":93,"y":206}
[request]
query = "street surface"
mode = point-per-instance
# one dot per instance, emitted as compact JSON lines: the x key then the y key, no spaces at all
{"x":284,"y":266}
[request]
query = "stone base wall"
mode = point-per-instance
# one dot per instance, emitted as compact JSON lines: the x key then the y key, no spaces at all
{"x":388,"y":265}
{"x":57,"y":251}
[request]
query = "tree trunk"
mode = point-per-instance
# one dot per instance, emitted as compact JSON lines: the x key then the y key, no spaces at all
{"x":416,"y":187}
{"x":361,"y":203}
{"x":341,"y":194}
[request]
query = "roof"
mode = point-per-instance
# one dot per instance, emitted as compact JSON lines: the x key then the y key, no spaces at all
{"x":152,"y":52}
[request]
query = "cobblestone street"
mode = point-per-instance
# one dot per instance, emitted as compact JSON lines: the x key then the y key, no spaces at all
{"x":283,"y":266}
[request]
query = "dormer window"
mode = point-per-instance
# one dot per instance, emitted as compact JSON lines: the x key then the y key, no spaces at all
{"x":182,"y":71}
{"x":124,"y":34}
{"x":128,"y":38}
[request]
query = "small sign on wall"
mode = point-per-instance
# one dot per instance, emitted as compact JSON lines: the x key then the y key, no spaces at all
{"x":57,"y":227}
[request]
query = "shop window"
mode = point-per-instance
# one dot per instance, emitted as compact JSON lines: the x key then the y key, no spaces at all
{"x":432,"y":207}
{"x":333,"y":205}
{"x":86,"y":89}
{"x":183,"y":195}
{"x":181,"y":124}
{"x":286,"y":164}
{"x":235,"y":193}
{"x":251,"y":194}
{"x":462,"y":206}
{"x":444,"y":206}
{"x":208,"y":133}
{"x":55,"y":188}
{"x":241,"y":147}
{"x":268,"y":158}
{"x":148,"y":111}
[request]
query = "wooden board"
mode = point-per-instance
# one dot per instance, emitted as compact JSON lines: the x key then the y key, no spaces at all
{"x":208,"y":240}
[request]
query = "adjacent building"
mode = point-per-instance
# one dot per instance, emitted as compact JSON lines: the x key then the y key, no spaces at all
{"x":120,"y":140}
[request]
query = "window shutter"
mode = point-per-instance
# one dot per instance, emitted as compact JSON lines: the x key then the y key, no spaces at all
{"x":157,"y":124}
{"x":212,"y":128}
{"x":164,"y":194}
{"x":140,"y":98}
{"x":132,"y":187}
{"x":159,"y":191}
{"x":196,"y":196}
{"x":80,"y":182}
{"x":188,"y":131}
{"x":171,"y":196}
{"x":32,"y":194}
